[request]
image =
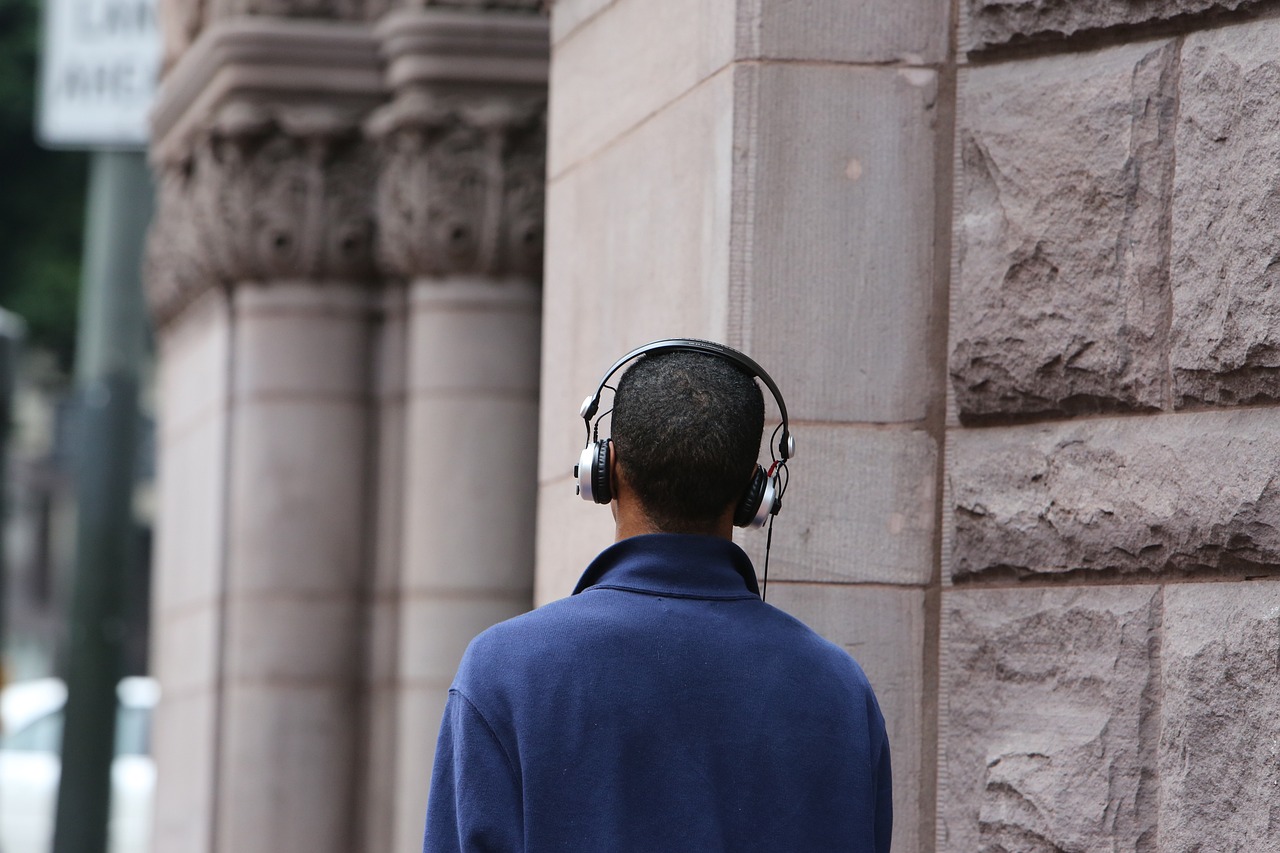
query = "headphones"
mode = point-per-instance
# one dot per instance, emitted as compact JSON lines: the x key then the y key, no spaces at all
{"x":763,"y":497}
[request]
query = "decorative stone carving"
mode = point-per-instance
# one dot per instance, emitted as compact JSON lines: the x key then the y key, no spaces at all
{"x":341,"y":10}
{"x":461,"y":186}
{"x":271,"y":164}
{"x":265,"y":192}
{"x":376,"y":8}
{"x":179,"y":22}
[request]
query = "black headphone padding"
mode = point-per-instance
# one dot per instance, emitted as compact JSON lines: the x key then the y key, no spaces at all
{"x":601,"y":482}
{"x":747,"y":508}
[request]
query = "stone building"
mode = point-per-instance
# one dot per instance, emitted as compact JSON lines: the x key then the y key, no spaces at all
{"x":1011,"y":262}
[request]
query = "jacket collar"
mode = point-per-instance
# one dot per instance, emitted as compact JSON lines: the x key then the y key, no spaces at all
{"x":673,"y":564}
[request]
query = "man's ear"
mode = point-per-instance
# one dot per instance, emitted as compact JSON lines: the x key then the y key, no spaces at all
{"x":614,"y":468}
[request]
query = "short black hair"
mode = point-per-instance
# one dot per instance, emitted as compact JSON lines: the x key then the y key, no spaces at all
{"x":687,"y":427}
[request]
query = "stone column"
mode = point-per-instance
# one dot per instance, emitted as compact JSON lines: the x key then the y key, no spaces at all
{"x":460,"y":222}
{"x":260,"y":275}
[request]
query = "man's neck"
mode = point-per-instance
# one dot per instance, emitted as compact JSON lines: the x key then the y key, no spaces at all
{"x":630,"y":520}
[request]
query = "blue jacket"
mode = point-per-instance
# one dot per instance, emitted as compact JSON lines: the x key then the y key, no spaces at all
{"x":662,"y":707}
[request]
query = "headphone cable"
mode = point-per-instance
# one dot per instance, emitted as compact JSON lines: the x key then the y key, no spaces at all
{"x":768,"y":543}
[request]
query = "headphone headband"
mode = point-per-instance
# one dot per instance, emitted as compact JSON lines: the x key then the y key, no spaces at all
{"x":786,"y":444}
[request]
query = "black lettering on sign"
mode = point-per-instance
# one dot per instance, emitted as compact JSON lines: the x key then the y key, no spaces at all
{"x":117,"y":80}
{"x":110,"y":18}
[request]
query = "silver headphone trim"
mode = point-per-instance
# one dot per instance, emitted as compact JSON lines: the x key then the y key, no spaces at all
{"x":766,"y":504}
{"x":586,"y":461}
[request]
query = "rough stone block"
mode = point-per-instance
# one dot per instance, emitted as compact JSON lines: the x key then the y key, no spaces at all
{"x":883,"y":629}
{"x":914,"y":31}
{"x":1189,"y":492}
{"x":989,"y":23}
{"x":859,"y":507}
{"x":638,"y":250}
{"x":833,"y":237}
{"x":1050,"y":720}
{"x":1220,"y":741}
{"x":1061,"y":234}
{"x":626,"y":64}
{"x":1225,"y":340}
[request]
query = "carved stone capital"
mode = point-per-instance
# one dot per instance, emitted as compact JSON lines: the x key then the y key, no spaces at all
{"x":262,"y":169}
{"x":463,"y":143}
{"x":274,"y":159}
{"x":266,"y":192}
{"x":461,"y":184}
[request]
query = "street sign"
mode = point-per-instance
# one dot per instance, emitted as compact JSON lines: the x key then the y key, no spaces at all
{"x":99,"y":66}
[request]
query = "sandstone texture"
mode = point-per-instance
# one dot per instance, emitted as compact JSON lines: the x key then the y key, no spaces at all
{"x":1061,"y":233}
{"x":1177,"y":493}
{"x":1225,"y":337}
{"x":860,"y":508}
{"x":833,"y":236}
{"x":1219,"y":753}
{"x":1050,"y":720}
{"x":990,"y":23}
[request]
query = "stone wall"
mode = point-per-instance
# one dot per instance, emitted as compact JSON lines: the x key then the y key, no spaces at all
{"x":1110,"y":614}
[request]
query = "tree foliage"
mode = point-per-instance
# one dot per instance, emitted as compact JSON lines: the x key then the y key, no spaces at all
{"x":41,"y":197}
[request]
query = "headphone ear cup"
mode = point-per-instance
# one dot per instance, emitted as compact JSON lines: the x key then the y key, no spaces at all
{"x":750,"y":511}
{"x":601,"y":482}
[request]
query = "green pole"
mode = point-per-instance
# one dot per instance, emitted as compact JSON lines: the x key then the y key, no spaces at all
{"x":12,"y":331}
{"x":109,"y":349}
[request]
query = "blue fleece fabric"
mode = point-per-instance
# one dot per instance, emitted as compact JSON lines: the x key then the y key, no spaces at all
{"x":662,"y":707}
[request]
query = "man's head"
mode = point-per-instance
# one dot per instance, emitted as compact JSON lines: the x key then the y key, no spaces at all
{"x":687,"y":428}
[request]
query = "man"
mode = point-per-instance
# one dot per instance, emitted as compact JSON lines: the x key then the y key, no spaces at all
{"x":664,"y":706}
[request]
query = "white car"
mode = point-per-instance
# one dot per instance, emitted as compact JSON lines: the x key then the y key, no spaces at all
{"x":30,"y":764}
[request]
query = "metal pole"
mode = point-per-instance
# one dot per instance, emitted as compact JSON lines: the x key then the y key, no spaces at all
{"x":12,"y":331}
{"x":110,"y":345}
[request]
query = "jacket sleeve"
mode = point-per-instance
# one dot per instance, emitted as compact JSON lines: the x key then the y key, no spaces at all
{"x":475,"y":803}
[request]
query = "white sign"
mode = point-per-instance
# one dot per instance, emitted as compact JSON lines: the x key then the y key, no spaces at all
{"x":98,"y":72}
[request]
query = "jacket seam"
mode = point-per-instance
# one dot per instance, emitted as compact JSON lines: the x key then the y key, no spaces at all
{"x":493,"y":733}
{"x":746,"y":596}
